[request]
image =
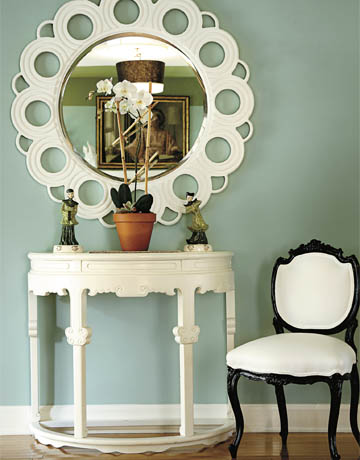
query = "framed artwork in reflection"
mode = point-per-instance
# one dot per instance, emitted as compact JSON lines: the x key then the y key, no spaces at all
{"x":169,"y":134}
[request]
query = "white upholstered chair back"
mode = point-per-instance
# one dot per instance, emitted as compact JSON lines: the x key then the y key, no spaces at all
{"x":314,"y":291}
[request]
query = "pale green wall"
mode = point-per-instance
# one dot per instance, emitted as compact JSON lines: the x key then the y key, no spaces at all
{"x":299,"y":180}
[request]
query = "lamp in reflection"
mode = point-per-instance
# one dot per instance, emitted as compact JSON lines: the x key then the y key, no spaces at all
{"x":146,"y":75}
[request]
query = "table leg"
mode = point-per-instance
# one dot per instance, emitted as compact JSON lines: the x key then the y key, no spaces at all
{"x":230,"y":320}
{"x":186,"y":334}
{"x":34,"y":363}
{"x":230,"y":331}
{"x":78,"y":335}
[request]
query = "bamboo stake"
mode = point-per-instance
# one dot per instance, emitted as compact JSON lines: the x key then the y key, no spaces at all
{"x":134,"y":123}
{"x":122,"y":146}
{"x":136,"y":130}
{"x":142,"y":169}
{"x":148,"y":145}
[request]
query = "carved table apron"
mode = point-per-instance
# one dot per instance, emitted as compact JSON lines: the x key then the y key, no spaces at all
{"x":129,"y":275}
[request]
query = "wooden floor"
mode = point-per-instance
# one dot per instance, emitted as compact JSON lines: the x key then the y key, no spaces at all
{"x":254,"y":446}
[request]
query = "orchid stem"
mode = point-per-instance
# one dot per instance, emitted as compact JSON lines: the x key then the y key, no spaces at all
{"x":136,"y":160}
{"x":142,"y":169}
{"x":121,"y":137}
{"x":147,"y":149}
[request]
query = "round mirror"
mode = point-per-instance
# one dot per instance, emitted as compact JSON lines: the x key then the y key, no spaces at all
{"x":201,"y":124}
{"x":93,"y":131}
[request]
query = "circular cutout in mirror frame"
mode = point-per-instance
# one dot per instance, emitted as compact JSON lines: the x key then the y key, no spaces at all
{"x":150,"y":21}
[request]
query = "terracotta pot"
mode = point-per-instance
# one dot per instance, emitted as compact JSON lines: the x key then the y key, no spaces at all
{"x":134,"y":230}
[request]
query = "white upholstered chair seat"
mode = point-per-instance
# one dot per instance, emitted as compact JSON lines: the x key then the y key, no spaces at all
{"x":297,"y":354}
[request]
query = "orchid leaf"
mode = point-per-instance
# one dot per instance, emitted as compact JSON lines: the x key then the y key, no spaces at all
{"x":115,"y":197}
{"x":124,"y":194}
{"x":144,"y":203}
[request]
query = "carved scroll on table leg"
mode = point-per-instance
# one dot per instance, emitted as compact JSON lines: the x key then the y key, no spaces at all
{"x":186,"y":334}
{"x":78,"y":335}
{"x":34,"y":363}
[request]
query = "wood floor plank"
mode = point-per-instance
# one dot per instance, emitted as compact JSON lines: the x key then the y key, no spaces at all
{"x":254,"y":446}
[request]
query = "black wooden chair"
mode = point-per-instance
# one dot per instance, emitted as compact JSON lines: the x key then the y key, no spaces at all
{"x":315,"y":293}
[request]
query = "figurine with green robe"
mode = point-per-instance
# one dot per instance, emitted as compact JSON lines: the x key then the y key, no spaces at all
{"x":68,"y":210}
{"x":198,"y":225}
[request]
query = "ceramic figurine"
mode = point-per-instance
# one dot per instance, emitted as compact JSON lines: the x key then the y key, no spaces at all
{"x":198,"y":240}
{"x":68,"y":241}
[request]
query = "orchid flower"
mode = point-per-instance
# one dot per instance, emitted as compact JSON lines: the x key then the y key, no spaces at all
{"x":142,"y":100}
{"x":110,"y":106}
{"x":124,"y":106}
{"x":124,"y":89}
{"x":142,"y":115}
{"x":104,"y":86}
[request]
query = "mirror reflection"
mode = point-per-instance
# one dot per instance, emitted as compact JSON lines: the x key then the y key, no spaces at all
{"x":177,"y":116}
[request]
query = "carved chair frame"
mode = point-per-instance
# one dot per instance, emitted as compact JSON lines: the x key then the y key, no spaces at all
{"x":334,"y":381}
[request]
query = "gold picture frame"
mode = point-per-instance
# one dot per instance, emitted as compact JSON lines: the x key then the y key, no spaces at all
{"x":169,"y":134}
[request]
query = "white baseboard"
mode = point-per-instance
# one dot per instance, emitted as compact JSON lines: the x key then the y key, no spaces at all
{"x":258,"y":417}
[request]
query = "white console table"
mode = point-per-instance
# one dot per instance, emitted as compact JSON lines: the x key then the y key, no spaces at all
{"x":129,"y":275}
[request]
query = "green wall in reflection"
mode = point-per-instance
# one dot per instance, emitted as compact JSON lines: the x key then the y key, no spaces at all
{"x":79,"y":113}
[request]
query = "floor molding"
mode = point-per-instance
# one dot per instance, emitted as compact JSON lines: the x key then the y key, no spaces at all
{"x":258,"y":417}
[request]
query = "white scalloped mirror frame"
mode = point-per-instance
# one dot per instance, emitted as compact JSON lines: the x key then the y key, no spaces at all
{"x":149,"y":21}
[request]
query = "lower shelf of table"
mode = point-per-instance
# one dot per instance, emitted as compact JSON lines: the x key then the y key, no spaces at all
{"x":118,"y":439}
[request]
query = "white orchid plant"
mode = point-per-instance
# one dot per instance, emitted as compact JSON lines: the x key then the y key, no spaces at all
{"x":126,"y":99}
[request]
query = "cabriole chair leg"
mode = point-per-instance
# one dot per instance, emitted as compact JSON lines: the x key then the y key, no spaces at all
{"x":354,"y":402}
{"x":280,"y":397}
{"x":233,"y":378}
{"x":335,"y":389}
